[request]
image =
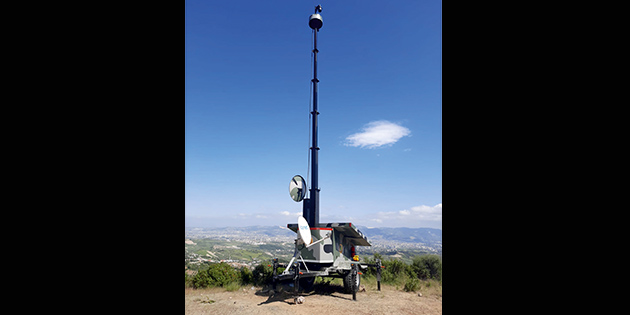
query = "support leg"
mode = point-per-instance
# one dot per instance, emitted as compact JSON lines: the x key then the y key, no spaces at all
{"x":295,"y":253}
{"x":378,"y":273}
{"x":302,"y":259}
{"x":354,"y":282}
{"x":296,"y":278}
{"x":275,"y":273}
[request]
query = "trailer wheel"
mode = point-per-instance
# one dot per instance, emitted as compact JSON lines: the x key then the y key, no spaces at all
{"x":307,"y":284}
{"x":347,"y":279}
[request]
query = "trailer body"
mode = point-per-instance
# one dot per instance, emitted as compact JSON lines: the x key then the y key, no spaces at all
{"x":333,"y":257}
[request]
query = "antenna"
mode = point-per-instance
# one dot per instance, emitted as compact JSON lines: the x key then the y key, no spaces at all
{"x":304,"y":238}
{"x":304,"y":231}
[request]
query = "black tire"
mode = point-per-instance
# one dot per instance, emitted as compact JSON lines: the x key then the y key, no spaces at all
{"x":347,"y":279}
{"x":307,"y":284}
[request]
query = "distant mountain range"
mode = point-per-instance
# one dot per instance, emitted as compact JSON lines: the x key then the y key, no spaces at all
{"x":402,"y":234}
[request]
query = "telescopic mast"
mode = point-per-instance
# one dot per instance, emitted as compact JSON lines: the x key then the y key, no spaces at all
{"x":310,"y":208}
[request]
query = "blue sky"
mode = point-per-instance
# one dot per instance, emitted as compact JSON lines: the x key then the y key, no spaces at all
{"x":247,"y":92}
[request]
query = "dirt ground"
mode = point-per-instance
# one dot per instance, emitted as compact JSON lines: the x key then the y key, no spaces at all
{"x":321,"y":301}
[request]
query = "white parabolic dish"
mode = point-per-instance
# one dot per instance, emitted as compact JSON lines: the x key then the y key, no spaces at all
{"x":304,"y":231}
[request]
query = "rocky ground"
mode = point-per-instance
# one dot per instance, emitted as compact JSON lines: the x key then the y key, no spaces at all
{"x":324,"y":300}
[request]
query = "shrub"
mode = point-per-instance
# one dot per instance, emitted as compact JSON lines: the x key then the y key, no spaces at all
{"x":262,"y":274}
{"x":396,"y":267}
{"x":412,"y":284}
{"x":419,"y":269}
{"x":222,"y":274}
{"x":427,"y":267}
{"x":216,"y":275}
{"x":200,"y":279}
{"x":394,"y":271}
{"x":189,"y":280}
{"x":246,"y":276}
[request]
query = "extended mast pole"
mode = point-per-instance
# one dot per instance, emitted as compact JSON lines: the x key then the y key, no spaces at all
{"x":310,"y":209}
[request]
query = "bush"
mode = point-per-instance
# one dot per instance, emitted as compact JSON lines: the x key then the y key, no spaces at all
{"x":262,"y":274}
{"x":419,"y":269}
{"x":246,"y":276}
{"x":427,"y":267}
{"x":394,"y":271}
{"x":412,"y":284}
{"x":216,"y":275}
{"x":200,"y":279}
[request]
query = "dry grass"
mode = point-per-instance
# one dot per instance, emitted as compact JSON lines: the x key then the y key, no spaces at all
{"x":430,"y":288}
{"x":426,"y":287}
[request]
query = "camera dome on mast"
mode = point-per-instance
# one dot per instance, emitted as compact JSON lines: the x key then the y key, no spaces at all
{"x":316,"y":21}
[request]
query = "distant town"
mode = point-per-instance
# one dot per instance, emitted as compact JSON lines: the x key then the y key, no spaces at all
{"x":249,"y":246}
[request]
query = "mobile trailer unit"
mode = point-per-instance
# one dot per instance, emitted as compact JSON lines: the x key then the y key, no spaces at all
{"x":333,"y":257}
{"x":330,"y":251}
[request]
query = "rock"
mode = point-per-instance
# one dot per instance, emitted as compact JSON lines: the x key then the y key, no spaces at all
{"x":361,"y":288}
{"x":299,"y":300}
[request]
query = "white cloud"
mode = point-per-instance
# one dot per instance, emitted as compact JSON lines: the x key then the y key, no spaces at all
{"x":428,"y":213}
{"x":287,"y":213}
{"x":418,"y":216}
{"x":377,"y":134}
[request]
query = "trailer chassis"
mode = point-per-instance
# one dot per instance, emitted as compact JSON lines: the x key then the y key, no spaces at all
{"x":295,"y":274}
